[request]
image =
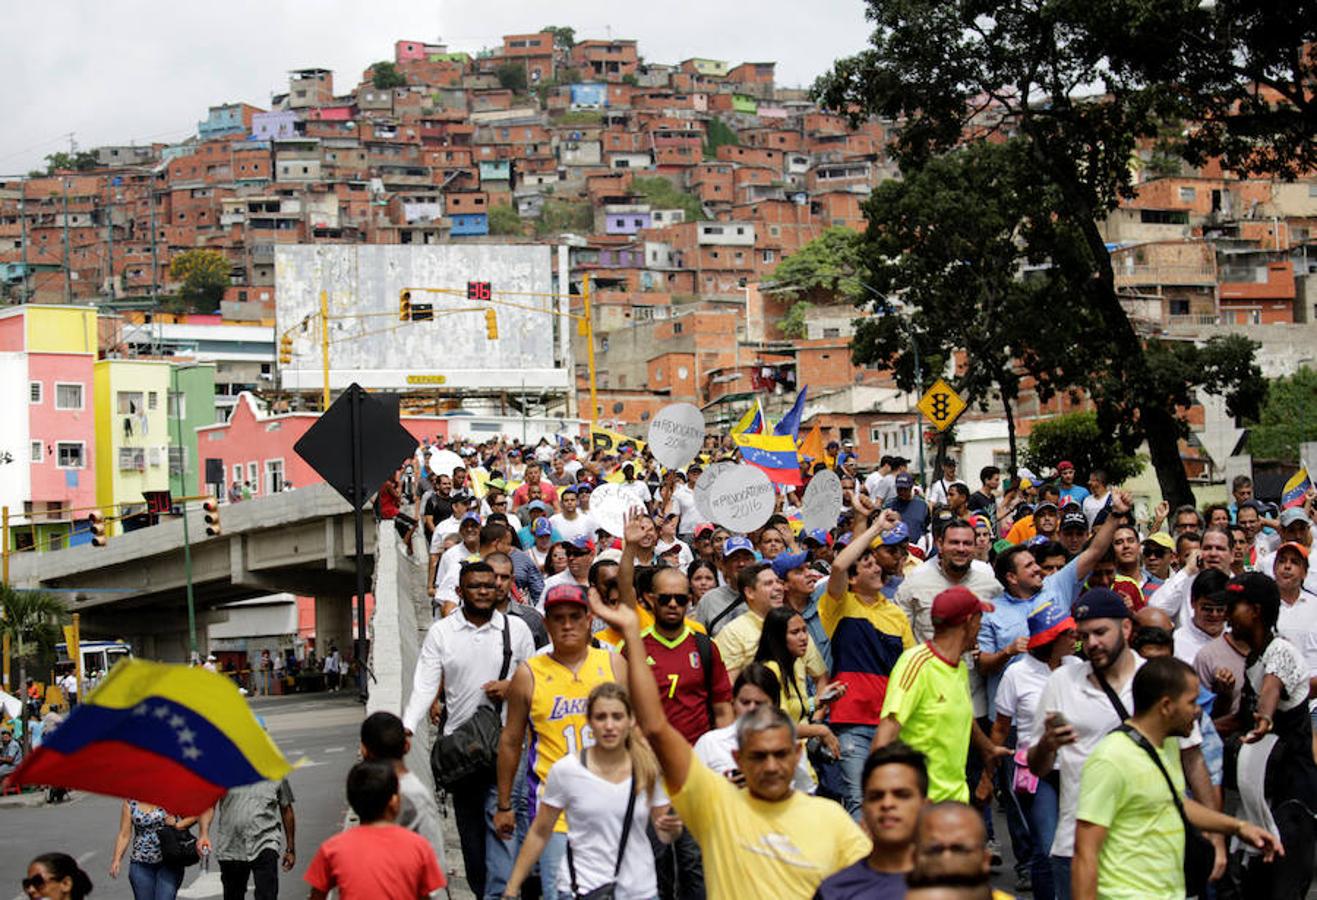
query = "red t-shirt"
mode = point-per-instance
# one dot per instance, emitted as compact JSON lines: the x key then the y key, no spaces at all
{"x":681,"y":681}
{"x":371,"y":862}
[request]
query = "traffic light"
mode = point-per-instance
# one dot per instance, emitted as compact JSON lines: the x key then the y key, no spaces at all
{"x":405,"y":306}
{"x":285,"y":349}
{"x":210,"y":512}
{"x":491,"y":324}
{"x":96,"y":525}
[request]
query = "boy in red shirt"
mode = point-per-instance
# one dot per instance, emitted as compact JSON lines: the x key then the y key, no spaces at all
{"x":377,"y":858}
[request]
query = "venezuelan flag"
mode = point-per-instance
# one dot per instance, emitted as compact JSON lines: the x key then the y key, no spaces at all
{"x":750,"y":423}
{"x":775,"y":454}
{"x":175,"y":736}
{"x":1295,"y":489}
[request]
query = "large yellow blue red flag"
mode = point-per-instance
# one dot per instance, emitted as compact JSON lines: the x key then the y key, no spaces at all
{"x":1295,"y":489}
{"x":750,"y":423}
{"x":171,"y":735}
{"x":774,"y":453}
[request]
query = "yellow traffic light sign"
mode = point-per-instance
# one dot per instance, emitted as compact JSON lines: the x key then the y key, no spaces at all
{"x":405,"y":306}
{"x":491,"y":324}
{"x":941,"y":405}
{"x":211,"y":514}
{"x":96,"y":525}
{"x":285,"y":349}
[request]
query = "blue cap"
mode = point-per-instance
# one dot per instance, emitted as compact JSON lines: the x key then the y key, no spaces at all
{"x":541,"y":528}
{"x":1038,"y":540}
{"x":581,"y":543}
{"x":818,"y":535}
{"x":1100,"y":603}
{"x":785,"y":562}
{"x":737,"y":542}
{"x":898,"y":535}
{"x":469,"y":517}
{"x":844,"y":538}
{"x":904,"y":480}
{"x":1046,"y":622}
{"x":538,"y":504}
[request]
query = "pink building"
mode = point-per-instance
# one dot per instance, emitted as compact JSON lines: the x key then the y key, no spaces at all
{"x":47,"y":442}
{"x":257,"y":448}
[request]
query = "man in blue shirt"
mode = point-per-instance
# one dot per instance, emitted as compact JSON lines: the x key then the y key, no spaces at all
{"x":912,"y":510}
{"x":1070,"y":492}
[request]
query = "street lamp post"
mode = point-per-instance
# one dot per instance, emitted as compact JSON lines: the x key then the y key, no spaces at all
{"x":919,"y":375}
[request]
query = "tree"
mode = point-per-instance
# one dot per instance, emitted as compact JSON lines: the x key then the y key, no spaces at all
{"x":660,"y":193}
{"x":503,"y":219}
{"x":1079,"y":438}
{"x":717,"y":134}
{"x":949,"y":70}
{"x":32,"y":623}
{"x":829,"y":269}
{"x":204,"y":276}
{"x":1288,"y":418}
{"x":385,"y":76}
{"x":81,"y":161}
{"x":512,"y":77}
{"x":563,"y":35}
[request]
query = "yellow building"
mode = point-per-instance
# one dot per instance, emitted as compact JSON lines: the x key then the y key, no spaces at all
{"x":132,"y":434}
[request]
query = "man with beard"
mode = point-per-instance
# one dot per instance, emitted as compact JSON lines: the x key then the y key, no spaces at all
{"x":1075,"y":712}
{"x":953,"y":566}
{"x":1129,"y":842}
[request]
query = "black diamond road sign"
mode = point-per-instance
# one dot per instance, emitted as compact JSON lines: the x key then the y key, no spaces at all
{"x":385,"y":444}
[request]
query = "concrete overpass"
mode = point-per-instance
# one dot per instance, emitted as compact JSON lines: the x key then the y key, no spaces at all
{"x":135,"y":587}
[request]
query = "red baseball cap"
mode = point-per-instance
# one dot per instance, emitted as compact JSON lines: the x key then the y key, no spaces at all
{"x":1064,"y":464}
{"x":955,"y":605}
{"x":566,"y":593}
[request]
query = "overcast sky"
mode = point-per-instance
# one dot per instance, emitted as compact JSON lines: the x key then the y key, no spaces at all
{"x":146,"y":70}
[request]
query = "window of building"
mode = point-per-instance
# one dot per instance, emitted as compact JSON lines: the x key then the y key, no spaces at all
{"x":70,"y":454}
{"x":132,"y":459}
{"x":832,"y":332}
{"x":128,"y":403}
{"x":152,"y":400}
{"x":676,"y":328}
{"x":36,"y":451}
{"x":34,"y":392}
{"x":1188,"y":194}
{"x":254,"y":476}
{"x":1180,"y":307}
{"x":68,"y":396}
{"x":177,"y":405}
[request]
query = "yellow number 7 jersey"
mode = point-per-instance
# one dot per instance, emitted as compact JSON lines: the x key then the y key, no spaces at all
{"x":558,"y":725}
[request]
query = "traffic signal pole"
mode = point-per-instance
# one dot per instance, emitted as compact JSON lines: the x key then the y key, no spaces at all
{"x":187,"y":541}
{"x":324,"y":350}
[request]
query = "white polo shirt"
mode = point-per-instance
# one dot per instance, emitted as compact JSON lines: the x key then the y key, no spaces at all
{"x":1298,"y":625}
{"x":463,"y":657}
{"x":1086,"y":707}
{"x":1189,"y":639}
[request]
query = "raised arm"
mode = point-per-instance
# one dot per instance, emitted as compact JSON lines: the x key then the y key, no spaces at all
{"x":1097,"y":548}
{"x":674,"y":754}
{"x":632,"y":532}
{"x":839,"y":578}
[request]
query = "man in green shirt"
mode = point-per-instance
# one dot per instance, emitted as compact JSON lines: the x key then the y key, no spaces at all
{"x":928,"y":705}
{"x":1129,"y":841}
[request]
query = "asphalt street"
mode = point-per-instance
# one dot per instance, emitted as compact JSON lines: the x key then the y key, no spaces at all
{"x":320,"y":729}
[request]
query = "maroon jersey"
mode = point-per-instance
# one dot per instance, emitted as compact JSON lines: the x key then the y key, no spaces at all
{"x":683,"y":684}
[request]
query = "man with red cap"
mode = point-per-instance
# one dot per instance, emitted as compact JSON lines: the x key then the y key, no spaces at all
{"x":928,"y":703}
{"x":1070,"y":492}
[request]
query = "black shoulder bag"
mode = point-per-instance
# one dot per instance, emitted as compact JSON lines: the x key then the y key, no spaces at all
{"x":472,"y":749}
{"x":1199,"y":854}
{"x":606,"y":891}
{"x":178,"y":846}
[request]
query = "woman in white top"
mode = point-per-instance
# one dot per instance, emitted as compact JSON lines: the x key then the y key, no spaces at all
{"x":594,"y":789}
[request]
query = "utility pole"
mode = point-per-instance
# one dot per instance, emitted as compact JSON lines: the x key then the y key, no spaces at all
{"x":22,"y":223}
{"x":183,"y":486}
{"x":68,"y":272}
{"x":109,"y":237}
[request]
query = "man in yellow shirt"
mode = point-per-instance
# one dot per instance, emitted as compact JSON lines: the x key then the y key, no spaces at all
{"x":767,"y":840}
{"x":761,"y":590}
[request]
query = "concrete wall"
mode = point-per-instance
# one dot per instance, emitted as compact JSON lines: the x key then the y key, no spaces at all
{"x":16,"y":484}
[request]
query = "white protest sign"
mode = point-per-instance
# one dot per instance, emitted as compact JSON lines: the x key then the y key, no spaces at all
{"x":609,"y":504}
{"x":676,"y":434}
{"x":704,"y":486}
{"x":742,"y":499}
{"x":443,"y":462}
{"x":822,"y":502}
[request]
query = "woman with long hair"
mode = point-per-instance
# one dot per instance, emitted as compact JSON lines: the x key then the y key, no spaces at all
{"x":703,"y":577}
{"x":595,"y":789}
{"x":56,"y":876}
{"x":151,"y":877}
{"x":782,"y":648}
{"x":555,"y":560}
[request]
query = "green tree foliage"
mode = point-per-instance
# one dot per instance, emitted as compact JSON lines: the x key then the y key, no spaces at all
{"x":512,"y":76}
{"x":794,"y":324}
{"x":385,"y":75}
{"x":81,"y":161}
{"x":32,"y":622}
{"x":948,"y":68}
{"x":717,"y":134}
{"x":563,"y":35}
{"x":203,"y":275}
{"x":1079,"y":438}
{"x":1288,"y":418}
{"x":660,"y":193}
{"x":563,"y":216}
{"x":829,"y":269}
{"x":503,"y":219}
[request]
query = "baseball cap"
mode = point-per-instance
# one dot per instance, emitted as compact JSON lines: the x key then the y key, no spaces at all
{"x":1161,"y":539}
{"x":904,"y":480}
{"x":497,"y":484}
{"x":1046,"y":504}
{"x":1001,"y":545}
{"x":1296,"y":547}
{"x":818,"y":536}
{"x":1046,"y":622}
{"x":1292,"y":515}
{"x":704,"y":528}
{"x":666,"y":547}
{"x":538,"y":504}
{"x":469,"y":517}
{"x":541,"y":528}
{"x":898,"y":535}
{"x":612,"y":554}
{"x":1074,"y":517}
{"x":1253,"y":587}
{"x":566,"y":593}
{"x":785,"y":562}
{"x":1100,"y":603}
{"x":1064,"y":464}
{"x":737,"y":542}
{"x":461,"y":497}
{"x":955,"y":605}
{"x":1256,"y":505}
{"x":580,"y":545}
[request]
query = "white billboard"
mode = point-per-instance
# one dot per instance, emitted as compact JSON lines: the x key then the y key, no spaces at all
{"x":370,"y":345}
